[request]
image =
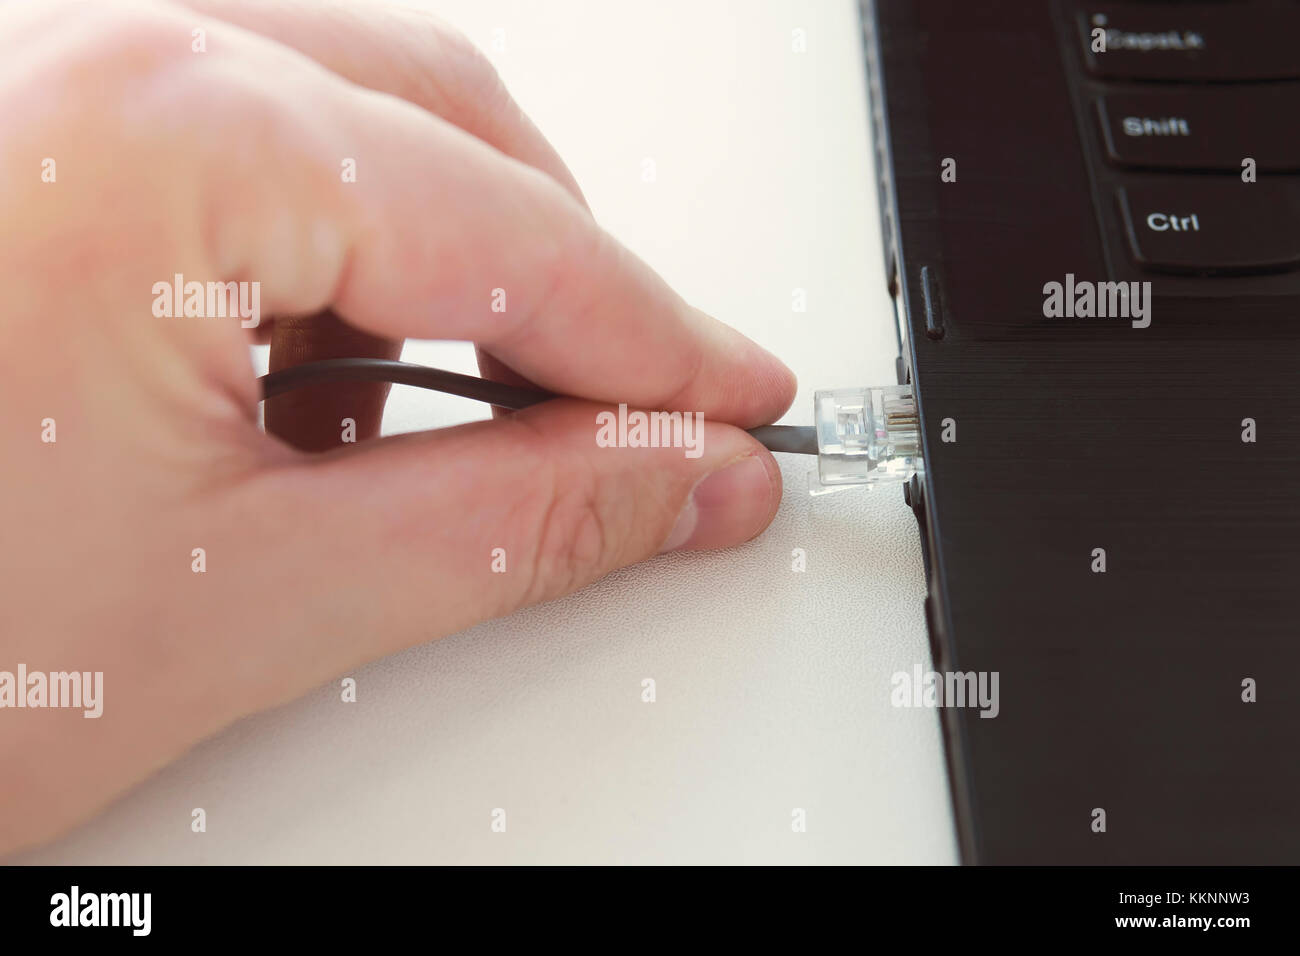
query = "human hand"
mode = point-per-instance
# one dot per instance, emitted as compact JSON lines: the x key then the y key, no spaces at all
{"x":225,"y":165}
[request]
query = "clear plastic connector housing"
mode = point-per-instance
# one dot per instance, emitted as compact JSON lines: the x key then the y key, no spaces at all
{"x":865,"y":436}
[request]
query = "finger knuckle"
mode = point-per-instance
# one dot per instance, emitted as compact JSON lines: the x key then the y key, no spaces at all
{"x":578,"y":531}
{"x":478,"y":73}
{"x":457,"y":80}
{"x":82,"y":98}
{"x":113,"y":44}
{"x":574,"y":544}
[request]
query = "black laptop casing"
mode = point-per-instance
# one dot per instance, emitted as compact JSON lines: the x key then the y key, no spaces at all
{"x":1124,"y":690}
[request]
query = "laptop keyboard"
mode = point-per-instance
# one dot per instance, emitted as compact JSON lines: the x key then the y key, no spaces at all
{"x":1190,"y":115}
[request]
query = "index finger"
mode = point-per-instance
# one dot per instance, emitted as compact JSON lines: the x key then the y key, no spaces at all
{"x":443,"y":236}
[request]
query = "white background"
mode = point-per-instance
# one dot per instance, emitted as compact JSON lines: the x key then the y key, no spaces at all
{"x":772,"y":686}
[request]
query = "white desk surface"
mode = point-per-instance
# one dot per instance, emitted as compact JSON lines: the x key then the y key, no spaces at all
{"x":772,"y":686}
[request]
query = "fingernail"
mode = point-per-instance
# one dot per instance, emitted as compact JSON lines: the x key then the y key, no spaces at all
{"x":725,"y":508}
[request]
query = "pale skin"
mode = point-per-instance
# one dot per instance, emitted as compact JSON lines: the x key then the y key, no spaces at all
{"x":225,"y":165}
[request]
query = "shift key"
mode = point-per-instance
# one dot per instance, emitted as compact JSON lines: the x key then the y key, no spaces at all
{"x":1209,"y":127}
{"x":1209,"y":226}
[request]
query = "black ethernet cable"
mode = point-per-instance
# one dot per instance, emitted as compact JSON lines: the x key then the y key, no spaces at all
{"x":795,"y":439}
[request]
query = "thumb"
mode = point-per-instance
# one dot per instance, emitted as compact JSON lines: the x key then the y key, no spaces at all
{"x":409,"y":538}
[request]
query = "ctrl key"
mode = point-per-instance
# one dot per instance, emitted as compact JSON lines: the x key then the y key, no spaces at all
{"x":1206,"y":227}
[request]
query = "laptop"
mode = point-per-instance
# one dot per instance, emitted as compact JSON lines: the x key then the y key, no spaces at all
{"x":1091,"y":217}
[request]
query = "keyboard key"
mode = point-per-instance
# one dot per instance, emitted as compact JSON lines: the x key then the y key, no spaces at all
{"x":1192,"y":41}
{"x":1209,"y":226}
{"x":1206,"y":128}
